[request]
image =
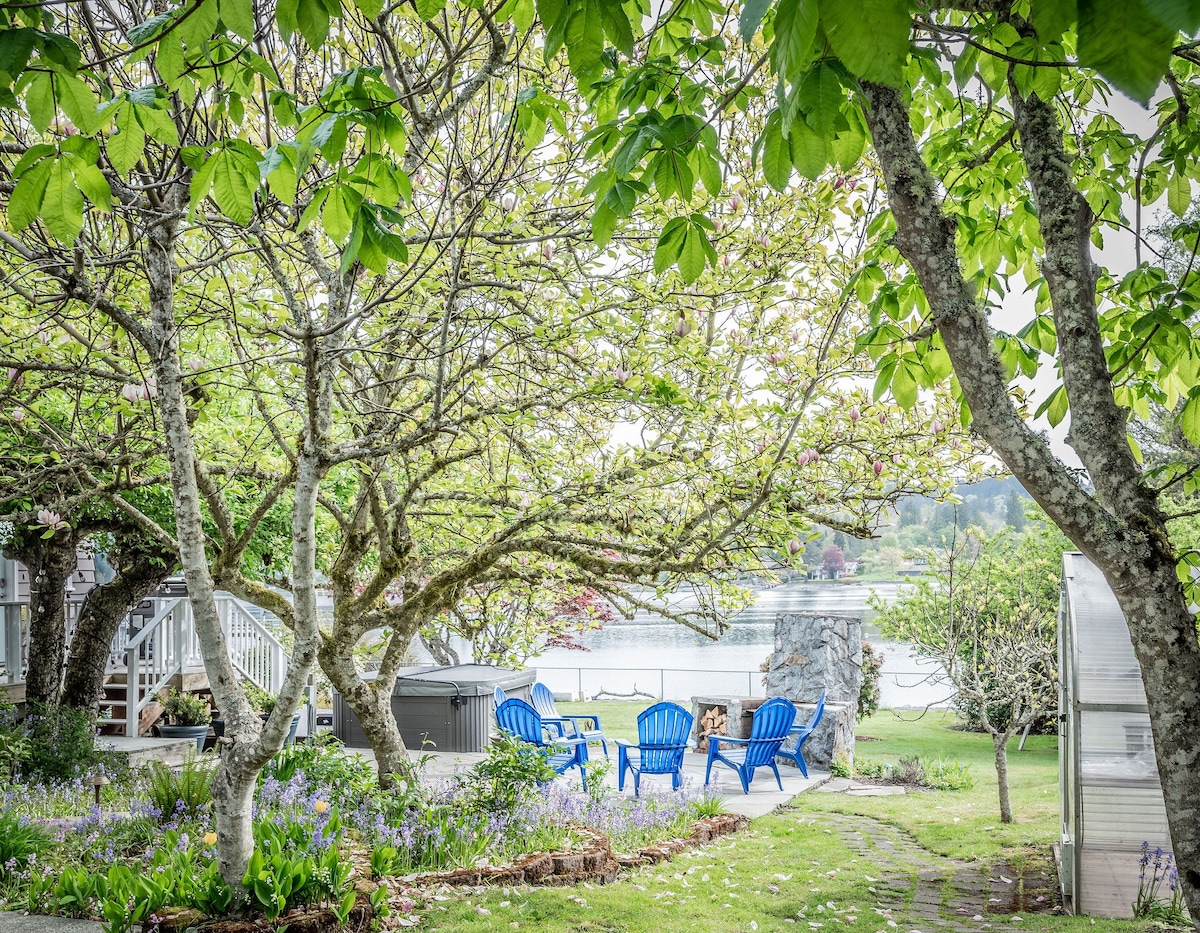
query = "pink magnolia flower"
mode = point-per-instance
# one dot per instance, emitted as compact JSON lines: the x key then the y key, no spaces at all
{"x":18,"y":415}
{"x":877,"y":466}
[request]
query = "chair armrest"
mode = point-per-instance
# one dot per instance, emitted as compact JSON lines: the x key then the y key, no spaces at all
{"x":560,"y":724}
{"x":574,"y":717}
{"x":626,"y":743}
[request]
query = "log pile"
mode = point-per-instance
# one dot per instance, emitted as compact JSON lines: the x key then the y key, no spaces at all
{"x":713,"y":722}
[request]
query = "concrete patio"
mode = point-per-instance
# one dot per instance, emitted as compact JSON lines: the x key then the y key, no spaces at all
{"x":764,"y":795}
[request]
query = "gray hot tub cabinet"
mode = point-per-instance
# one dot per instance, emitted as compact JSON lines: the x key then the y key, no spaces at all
{"x":448,"y":707}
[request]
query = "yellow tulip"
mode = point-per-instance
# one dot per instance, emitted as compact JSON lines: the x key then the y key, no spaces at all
{"x":210,"y":839}
{"x":321,"y":806}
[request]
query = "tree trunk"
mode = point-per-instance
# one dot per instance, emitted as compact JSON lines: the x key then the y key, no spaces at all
{"x":372,"y":704}
{"x":233,"y":789}
{"x":50,"y":562}
{"x":140,"y":568}
{"x":1121,"y":530}
{"x":1000,"y":745}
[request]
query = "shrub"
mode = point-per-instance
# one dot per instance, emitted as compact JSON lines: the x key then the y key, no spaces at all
{"x":508,"y":773}
{"x":184,"y":709}
{"x":20,"y":843}
{"x":182,"y":794}
{"x":942,"y":775}
{"x":325,"y":765}
{"x":842,"y":765}
{"x":62,"y":743}
{"x":868,"y":688}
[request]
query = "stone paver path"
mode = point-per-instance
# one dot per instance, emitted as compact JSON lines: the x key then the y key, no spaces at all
{"x":947,"y":893}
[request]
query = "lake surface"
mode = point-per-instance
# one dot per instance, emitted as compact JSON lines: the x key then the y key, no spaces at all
{"x":662,"y":658}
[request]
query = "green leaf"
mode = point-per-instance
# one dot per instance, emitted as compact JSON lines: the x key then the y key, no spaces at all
{"x":904,"y":386}
{"x":1179,"y":193}
{"x":670,"y":244}
{"x":15,"y":48}
{"x":279,"y":172}
{"x":39,"y":101}
{"x":94,"y":185}
{"x":238,"y":15}
{"x":1189,"y":420}
{"x":870,"y":37}
{"x":1124,"y":43}
{"x":428,"y":9}
{"x":338,"y":216}
{"x":62,"y":204}
{"x":169,"y":58}
{"x":584,"y":38}
{"x":312,"y":19}
{"x":285,"y":16}
{"x":125,"y":147}
{"x":149,"y":29}
{"x":26,"y":200}
{"x":158,"y":124}
{"x":231,"y":188}
{"x":693,"y":253}
{"x":776,"y":153}
{"x":604,"y":224}
{"x":810,"y":154}
{"x":820,"y":98}
{"x":78,"y":103}
{"x":369,"y":8}
{"x":1180,"y":15}
{"x":1051,"y":18}
{"x":752,"y":14}
{"x":61,"y":50}
{"x":622,"y":197}
{"x":795,"y":30}
{"x":200,"y":24}
{"x":709,"y":170}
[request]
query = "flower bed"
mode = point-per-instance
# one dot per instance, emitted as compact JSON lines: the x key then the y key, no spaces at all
{"x":330,"y":846}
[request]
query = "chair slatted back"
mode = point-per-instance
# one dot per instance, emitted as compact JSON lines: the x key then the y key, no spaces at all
{"x":543,"y":701}
{"x":663,"y":731}
{"x":520,"y":719}
{"x":817,"y":713}
{"x":768,"y":729}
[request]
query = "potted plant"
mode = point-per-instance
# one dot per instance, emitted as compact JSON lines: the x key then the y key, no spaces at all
{"x":264,"y":702}
{"x":188,"y":717}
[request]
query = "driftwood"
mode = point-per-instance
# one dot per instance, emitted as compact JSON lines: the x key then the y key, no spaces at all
{"x":603,"y":694}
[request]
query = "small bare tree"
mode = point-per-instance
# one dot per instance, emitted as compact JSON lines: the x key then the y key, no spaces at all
{"x":988,"y":618}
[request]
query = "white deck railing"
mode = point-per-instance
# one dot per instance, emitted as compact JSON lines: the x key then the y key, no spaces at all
{"x":153,"y":656}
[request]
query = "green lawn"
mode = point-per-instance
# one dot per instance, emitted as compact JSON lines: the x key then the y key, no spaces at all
{"x":796,"y":870}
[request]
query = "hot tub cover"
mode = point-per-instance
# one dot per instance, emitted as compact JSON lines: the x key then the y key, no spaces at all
{"x":470,"y":680}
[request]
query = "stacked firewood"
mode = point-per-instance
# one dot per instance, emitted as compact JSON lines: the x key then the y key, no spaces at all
{"x":713,"y":722}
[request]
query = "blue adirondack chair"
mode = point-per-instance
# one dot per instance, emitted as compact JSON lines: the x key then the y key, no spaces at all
{"x":768,"y":729}
{"x":519,"y":719}
{"x":663,"y":732}
{"x":498,"y":697}
{"x":570,"y":726}
{"x":802,"y":731}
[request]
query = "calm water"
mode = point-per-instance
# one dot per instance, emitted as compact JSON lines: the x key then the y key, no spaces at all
{"x":659,"y":657}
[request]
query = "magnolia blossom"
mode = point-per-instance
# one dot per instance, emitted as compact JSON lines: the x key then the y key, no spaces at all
{"x":50,"y":519}
{"x":131,"y":392}
{"x":883,"y":417}
{"x":938,"y":427}
{"x":854,"y":414}
{"x":794,"y":547}
{"x":548,"y":250}
{"x":621,"y":375}
{"x":509,"y":201}
{"x":877,"y":466}
{"x":774,"y":358}
{"x":18,"y":415}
